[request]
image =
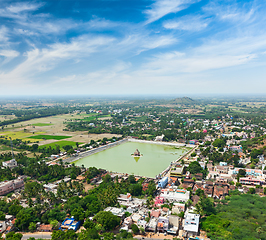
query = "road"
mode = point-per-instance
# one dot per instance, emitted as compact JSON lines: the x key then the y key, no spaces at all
{"x":42,"y":235}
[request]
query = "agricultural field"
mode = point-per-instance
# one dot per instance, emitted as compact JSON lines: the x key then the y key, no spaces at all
{"x":41,"y":124}
{"x":94,"y":116}
{"x":47,"y":137}
{"x":60,"y":144}
{"x":19,"y":135}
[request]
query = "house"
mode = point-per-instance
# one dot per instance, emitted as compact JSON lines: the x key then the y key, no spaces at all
{"x":75,"y":225}
{"x":195,"y":199}
{"x":175,"y":195}
{"x":162,"y":224}
{"x":221,"y":169}
{"x":178,"y":207}
{"x":9,"y":186}
{"x":236,"y":148}
{"x":50,"y":187}
{"x":45,"y":228}
{"x":193,"y":142}
{"x":177,"y":171}
{"x":10,"y":164}
{"x":173,"y":224}
{"x":250,"y":181}
{"x":142,"y":224}
{"x":191,"y":224}
{"x":2,"y":226}
{"x":128,"y":221}
{"x":152,"y":225}
{"x":125,"y":197}
{"x":223,"y":163}
{"x":70,"y":224}
{"x":136,"y":217}
{"x":159,"y":138}
{"x":163,"y":182}
{"x":250,"y":172}
{"x":220,"y":192}
{"x":210,"y":167}
{"x":159,"y":200}
{"x":116,"y":211}
{"x":155,"y":213}
{"x":199,"y":176}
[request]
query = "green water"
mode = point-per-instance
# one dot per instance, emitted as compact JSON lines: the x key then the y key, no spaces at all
{"x":155,"y":159}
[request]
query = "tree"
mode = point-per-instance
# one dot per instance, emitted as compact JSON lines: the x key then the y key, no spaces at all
{"x":14,"y":208}
{"x":194,"y":167}
{"x":78,"y":214}
{"x":135,"y":189}
{"x":219,"y":143}
{"x":134,"y":228}
{"x":107,"y":220}
{"x":23,"y":220}
{"x":242,"y":172}
{"x":131,"y":179}
{"x":205,"y":206}
{"x":13,"y":236}
{"x":151,"y":188}
{"x":193,"y":154}
{"x":2,"y":216}
{"x":232,"y":183}
{"x":181,"y":214}
{"x":55,"y":224}
{"x":107,"y":178}
{"x":252,"y":191}
{"x":89,"y":234}
{"x":88,"y":224}
{"x":64,"y":235}
{"x":32,"y":227}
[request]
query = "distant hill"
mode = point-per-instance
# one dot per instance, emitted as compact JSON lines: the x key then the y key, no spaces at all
{"x":183,"y":100}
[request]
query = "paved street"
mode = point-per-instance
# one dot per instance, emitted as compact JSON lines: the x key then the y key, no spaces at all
{"x":36,"y":235}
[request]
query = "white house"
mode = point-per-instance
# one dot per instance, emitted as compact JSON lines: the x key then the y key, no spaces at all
{"x":11,"y":163}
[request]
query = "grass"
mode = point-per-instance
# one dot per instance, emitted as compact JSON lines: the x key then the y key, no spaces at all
{"x":47,"y":137}
{"x":93,"y":116}
{"x":60,"y":144}
{"x":41,"y":124}
{"x":14,"y":135}
{"x":140,"y":119}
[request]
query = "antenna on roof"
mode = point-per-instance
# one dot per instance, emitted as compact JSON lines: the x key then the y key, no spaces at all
{"x":12,"y":147}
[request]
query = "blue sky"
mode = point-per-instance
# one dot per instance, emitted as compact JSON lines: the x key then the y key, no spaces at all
{"x":98,"y":47}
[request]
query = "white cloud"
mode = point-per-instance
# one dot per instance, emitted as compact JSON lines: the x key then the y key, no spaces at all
{"x":232,"y":12}
{"x":8,"y":55}
{"x":189,"y":23}
{"x":102,"y":23}
{"x":138,"y":43}
{"x":23,"y":6}
{"x":18,"y":10}
{"x":3,"y":34}
{"x":42,"y":60}
{"x":163,"y":7}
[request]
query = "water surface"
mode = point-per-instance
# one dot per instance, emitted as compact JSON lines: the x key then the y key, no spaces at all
{"x":155,"y":158}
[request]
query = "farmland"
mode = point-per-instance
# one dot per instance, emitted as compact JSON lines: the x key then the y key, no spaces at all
{"x":60,"y":144}
{"x":47,"y":137}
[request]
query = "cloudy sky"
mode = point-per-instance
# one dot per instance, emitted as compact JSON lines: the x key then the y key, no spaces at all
{"x":61,"y":47}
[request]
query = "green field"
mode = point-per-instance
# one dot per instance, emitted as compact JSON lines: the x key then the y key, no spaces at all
{"x":93,"y":116}
{"x":41,"y":124}
{"x":47,"y":137}
{"x":60,"y":144}
{"x":19,"y":135}
{"x":140,"y":119}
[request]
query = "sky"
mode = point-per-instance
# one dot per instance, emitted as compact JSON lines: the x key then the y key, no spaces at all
{"x":132,"y":47}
